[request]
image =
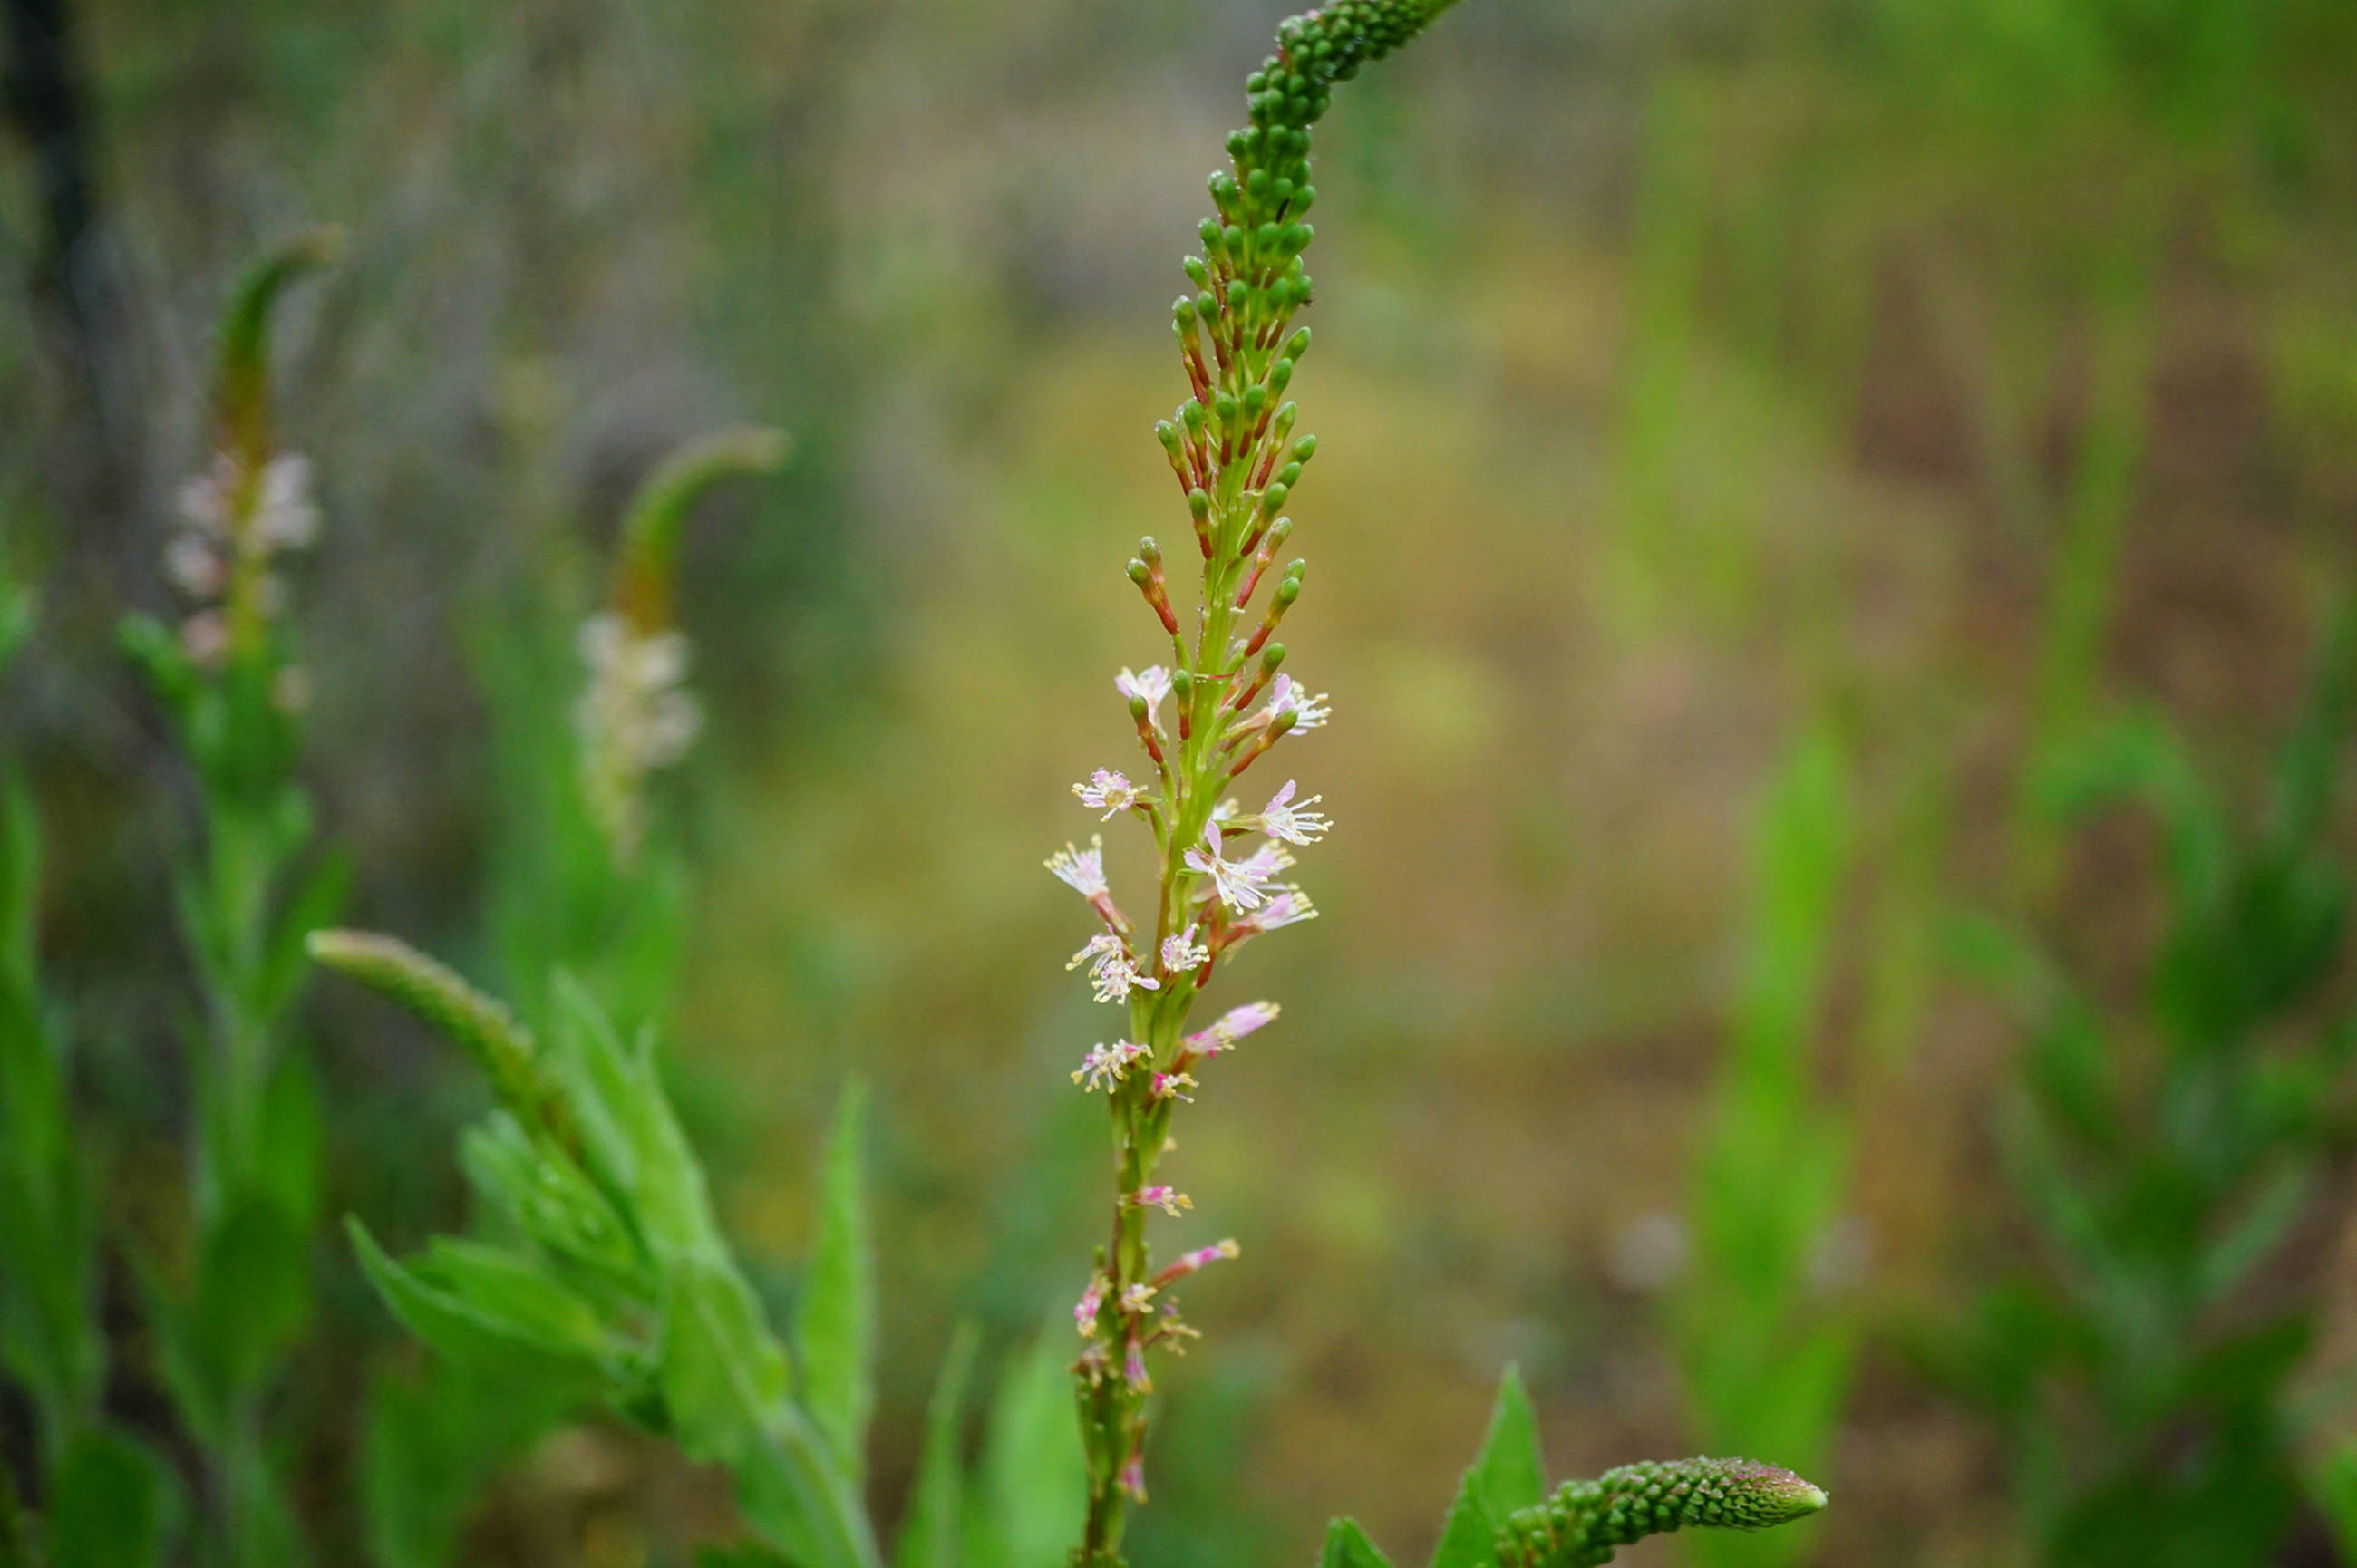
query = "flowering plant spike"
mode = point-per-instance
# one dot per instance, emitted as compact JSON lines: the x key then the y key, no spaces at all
{"x":1205,"y":718}
{"x":1223,"y":702}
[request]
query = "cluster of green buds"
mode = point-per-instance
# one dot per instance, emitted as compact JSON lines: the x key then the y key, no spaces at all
{"x":1230,"y":702}
{"x":1585,"y":1522}
{"x":636,"y":715}
{"x":252,"y":503}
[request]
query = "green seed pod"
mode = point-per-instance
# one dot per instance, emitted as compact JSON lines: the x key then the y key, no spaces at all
{"x":1267,"y":237}
{"x":1298,"y":345}
{"x":1278,"y":532}
{"x":1255,"y":398}
{"x":1282,"y":427}
{"x":1256,"y":185}
{"x":1270,"y":658}
{"x":1232,"y":238}
{"x":1585,"y":1521}
{"x":1303,"y":197}
{"x":1224,"y":405}
{"x":1273,"y":498}
{"x":1213,"y":236}
{"x":1287,"y":590}
{"x":1149,"y":551}
{"x":1280,"y":374}
{"x":1139,"y":572}
{"x":1199,"y":503}
{"x":1182,"y":686}
{"x":1237,"y":292}
{"x":1305,"y":449}
{"x":1167,"y":434}
{"x":1182,"y":311}
{"x":1281,"y":193}
{"x":1197,"y":273}
{"x":1289,"y":475}
{"x":1206,"y":305}
{"x":1191,"y":412}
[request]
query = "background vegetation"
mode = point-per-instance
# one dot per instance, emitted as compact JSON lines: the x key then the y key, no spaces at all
{"x":1768,"y":454}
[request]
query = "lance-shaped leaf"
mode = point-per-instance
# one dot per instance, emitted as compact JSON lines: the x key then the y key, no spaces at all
{"x":506,"y":1328}
{"x":834,"y":1329}
{"x":930,"y":1531}
{"x":1034,"y":1474}
{"x":1509,"y":1474}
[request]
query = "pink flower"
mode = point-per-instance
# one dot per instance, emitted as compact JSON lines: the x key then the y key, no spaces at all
{"x":1172,"y":1086}
{"x":1237,"y":882}
{"x":1134,"y":1368}
{"x":1104,"y":1065}
{"x":1168,"y":1199}
{"x":1138,"y":1299}
{"x":1234,"y":1026}
{"x":1189,"y":1261}
{"x":1287,"y":695}
{"x":1091,"y":1302}
{"x":1152,"y":684}
{"x":1295,"y":824}
{"x":1287,"y":905}
{"x":1113,"y":970}
{"x":1183,"y":952}
{"x":1082,"y":870}
{"x":1109,"y":793}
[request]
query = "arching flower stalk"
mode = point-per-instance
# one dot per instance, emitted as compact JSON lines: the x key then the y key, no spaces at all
{"x":1206,"y":718}
{"x":636,"y":715}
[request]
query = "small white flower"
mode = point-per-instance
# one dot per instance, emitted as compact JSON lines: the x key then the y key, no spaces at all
{"x":1153,"y":683}
{"x":1082,"y":870}
{"x":1280,"y":819}
{"x":195,"y":567}
{"x":1287,"y":695}
{"x":1266,"y":861}
{"x":1172,"y":1086}
{"x":1112,"y":969}
{"x":283,"y":515}
{"x":1137,"y":1298}
{"x":1104,"y":1065}
{"x":1183,"y":952}
{"x":1109,"y":793}
{"x":205,"y":638}
{"x":1237,"y":882}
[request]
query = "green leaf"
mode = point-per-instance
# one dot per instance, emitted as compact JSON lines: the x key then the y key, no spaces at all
{"x":1469,"y":1536}
{"x":929,"y":1530}
{"x":1346,"y":1546}
{"x":430,"y":1448}
{"x":724,"y":1375}
{"x":834,"y":1329}
{"x":110,"y":1506}
{"x":1035,"y":1476}
{"x":464,"y":1333}
{"x":1511,"y":1470}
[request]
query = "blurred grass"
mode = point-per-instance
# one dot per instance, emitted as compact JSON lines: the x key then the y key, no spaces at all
{"x":1682,"y":373}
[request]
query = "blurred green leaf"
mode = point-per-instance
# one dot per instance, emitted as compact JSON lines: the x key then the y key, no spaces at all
{"x":111,"y":1505}
{"x":1511,"y":1469}
{"x":723,"y":1373}
{"x":547,"y":1348}
{"x":1034,"y":1491}
{"x":834,"y":1329}
{"x":1346,"y":1546}
{"x":1469,"y":1536}
{"x":933,"y":1523}
{"x":432,"y":1444}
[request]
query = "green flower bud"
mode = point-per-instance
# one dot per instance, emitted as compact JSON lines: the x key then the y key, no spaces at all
{"x":1582,"y":1524}
{"x":1206,"y":305}
{"x":1212,"y":235}
{"x":1197,"y":273}
{"x":1298,"y":344}
{"x":1270,"y":658}
{"x":1267,"y":237}
{"x":1224,"y":405}
{"x":1303,"y":197}
{"x":1305,"y":449}
{"x":1257,"y":184}
{"x":1278,"y":532}
{"x":1167,"y":434}
{"x":1182,"y":686}
{"x":1139,"y":572}
{"x":1280,"y":374}
{"x":1199,"y":503}
{"x":1283,"y":425}
{"x":1281,"y":193}
{"x":1191,"y":411}
{"x":1255,"y":398}
{"x":1289,"y":475}
{"x":1288,"y":589}
{"x":1233,"y":238}
{"x":1273,"y":498}
{"x":1182,"y":311}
